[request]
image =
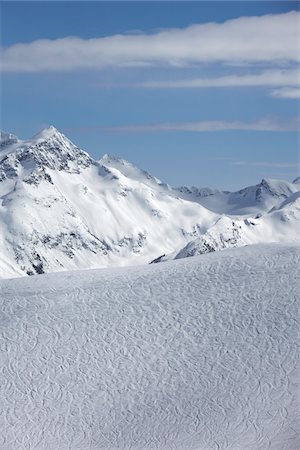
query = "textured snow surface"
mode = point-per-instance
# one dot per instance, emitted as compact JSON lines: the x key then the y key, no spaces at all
{"x":199,"y":353}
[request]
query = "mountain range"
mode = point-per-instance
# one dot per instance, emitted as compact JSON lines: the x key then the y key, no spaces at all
{"x":62,"y":210}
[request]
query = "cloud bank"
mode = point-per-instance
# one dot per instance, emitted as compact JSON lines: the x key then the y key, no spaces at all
{"x":267,"y":39}
{"x":267,"y":78}
{"x":203,"y":126}
{"x":280,"y":165}
{"x":287,"y":92}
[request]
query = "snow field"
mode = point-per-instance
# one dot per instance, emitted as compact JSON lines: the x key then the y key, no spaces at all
{"x":198,"y":353}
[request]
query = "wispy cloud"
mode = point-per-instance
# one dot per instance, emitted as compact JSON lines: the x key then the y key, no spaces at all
{"x":265,"y":124}
{"x":286,"y":92}
{"x":266,"y":164}
{"x":266,"y":78}
{"x":268,"y":39}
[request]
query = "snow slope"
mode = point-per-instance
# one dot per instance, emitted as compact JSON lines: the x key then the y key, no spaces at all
{"x":200,"y":353}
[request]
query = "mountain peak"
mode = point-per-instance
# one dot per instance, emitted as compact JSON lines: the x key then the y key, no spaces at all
{"x":49,"y":149}
{"x":49,"y":133}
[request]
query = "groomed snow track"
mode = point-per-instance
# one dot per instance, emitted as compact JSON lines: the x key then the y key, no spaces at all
{"x":199,"y":353}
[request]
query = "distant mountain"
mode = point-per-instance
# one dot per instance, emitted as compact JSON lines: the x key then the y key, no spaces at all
{"x":280,"y":224}
{"x":250,"y":200}
{"x":62,"y":210}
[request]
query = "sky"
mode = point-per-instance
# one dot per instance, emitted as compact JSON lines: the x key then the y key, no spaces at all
{"x":197,"y":93}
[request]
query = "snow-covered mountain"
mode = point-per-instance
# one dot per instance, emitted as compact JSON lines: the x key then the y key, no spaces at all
{"x":250,"y":200}
{"x":62,"y":210}
{"x":280,"y":224}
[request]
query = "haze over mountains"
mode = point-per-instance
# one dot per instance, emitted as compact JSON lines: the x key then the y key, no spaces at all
{"x":62,"y":210}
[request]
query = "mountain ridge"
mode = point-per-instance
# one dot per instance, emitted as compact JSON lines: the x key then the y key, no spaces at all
{"x":62,"y":210}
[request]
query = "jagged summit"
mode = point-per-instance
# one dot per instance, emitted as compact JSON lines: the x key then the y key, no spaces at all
{"x":271,"y":187}
{"x":50,"y":133}
{"x":45,"y":134}
{"x":48,"y":149}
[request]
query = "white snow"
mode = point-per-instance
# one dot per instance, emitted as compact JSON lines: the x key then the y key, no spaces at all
{"x":62,"y":210}
{"x":197,"y":353}
{"x":248,"y":201}
{"x":200,"y":353}
{"x":280,"y":224}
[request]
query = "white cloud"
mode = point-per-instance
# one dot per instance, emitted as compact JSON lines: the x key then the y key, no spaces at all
{"x":265,"y":124}
{"x":270,"y":38}
{"x":286,"y":92}
{"x":266,"y":164}
{"x":267,"y":78}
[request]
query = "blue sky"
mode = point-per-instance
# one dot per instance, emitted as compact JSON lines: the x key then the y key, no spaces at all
{"x":178,"y":88}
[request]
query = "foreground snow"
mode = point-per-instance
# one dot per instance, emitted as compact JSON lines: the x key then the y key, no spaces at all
{"x":199,"y":353}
